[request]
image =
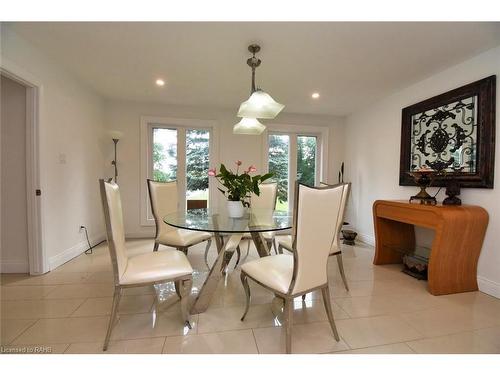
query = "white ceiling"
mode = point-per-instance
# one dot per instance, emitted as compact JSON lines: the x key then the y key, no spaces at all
{"x":204,"y":64}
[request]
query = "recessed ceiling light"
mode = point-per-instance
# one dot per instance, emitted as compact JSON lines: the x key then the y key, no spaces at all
{"x":315,"y":95}
{"x":160,"y":82}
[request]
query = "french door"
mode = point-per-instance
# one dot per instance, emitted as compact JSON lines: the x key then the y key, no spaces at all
{"x":180,"y":150}
{"x":293,"y":157}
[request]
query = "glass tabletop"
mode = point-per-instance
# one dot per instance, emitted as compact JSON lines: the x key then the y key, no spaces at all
{"x":217,"y":220}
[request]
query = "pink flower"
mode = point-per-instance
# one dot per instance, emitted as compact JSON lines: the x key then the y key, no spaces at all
{"x":212,"y":172}
{"x":238,"y":162}
{"x":251,"y":169}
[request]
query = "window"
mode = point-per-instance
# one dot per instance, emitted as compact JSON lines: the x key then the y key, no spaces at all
{"x":293,"y":157}
{"x":176,"y":150}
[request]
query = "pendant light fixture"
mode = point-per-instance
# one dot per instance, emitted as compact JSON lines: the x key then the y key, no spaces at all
{"x":259,"y":105}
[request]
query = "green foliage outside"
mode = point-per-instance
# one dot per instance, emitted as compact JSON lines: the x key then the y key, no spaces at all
{"x":278,"y":164}
{"x":306,"y":160}
{"x":197,"y":161}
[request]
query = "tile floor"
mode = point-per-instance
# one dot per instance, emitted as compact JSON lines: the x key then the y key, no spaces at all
{"x":385,"y":311}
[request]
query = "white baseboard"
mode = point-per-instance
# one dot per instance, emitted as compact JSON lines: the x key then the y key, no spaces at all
{"x":489,"y":287}
{"x":74,"y":251}
{"x":14,"y":266}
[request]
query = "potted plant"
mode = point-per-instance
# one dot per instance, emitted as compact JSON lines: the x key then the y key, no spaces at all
{"x":238,"y":187}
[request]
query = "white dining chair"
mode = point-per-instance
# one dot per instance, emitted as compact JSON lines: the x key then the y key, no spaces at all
{"x":336,"y":250}
{"x":163,"y":198}
{"x":145,"y":269}
{"x":316,"y":216}
{"x":265,"y":200}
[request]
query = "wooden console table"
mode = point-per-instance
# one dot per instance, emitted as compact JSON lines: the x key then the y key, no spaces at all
{"x":459,"y":234}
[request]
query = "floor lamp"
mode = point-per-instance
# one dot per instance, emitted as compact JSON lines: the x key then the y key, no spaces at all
{"x":115,"y":136}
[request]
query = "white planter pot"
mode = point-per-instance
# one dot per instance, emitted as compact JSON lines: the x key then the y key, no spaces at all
{"x":235,"y":209}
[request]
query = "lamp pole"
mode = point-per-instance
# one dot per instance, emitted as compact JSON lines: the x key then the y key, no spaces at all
{"x":113,"y":163}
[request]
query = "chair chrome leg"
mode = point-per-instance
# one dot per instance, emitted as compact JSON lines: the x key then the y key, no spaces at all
{"x":280,"y":249}
{"x":341,"y":269}
{"x":328,"y":307}
{"x":116,"y":301}
{"x":209,"y":242}
{"x":238,"y":253}
{"x":244,"y":281}
{"x":274,"y":246}
{"x":185,"y":291}
{"x":155,"y":246}
{"x":178,"y":286}
{"x":288,"y":316}
{"x":248,"y":251}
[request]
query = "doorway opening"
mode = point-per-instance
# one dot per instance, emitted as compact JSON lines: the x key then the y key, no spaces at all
{"x":22,"y":249}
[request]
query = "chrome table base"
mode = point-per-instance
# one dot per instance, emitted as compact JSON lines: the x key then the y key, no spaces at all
{"x":219,"y":269}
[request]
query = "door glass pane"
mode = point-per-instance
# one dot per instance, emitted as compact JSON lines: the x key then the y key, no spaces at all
{"x":197,"y":160}
{"x":278,"y":164}
{"x":306,"y":159}
{"x":164,"y":154}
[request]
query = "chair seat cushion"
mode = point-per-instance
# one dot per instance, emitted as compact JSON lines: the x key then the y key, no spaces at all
{"x":156,"y":266}
{"x":273,"y":271}
{"x":182,"y":237}
{"x":286,"y":242}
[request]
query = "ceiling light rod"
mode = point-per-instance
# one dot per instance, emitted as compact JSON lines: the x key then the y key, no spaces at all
{"x":253,"y":62}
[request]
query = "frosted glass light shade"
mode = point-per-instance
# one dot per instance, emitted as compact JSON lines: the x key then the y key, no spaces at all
{"x":249,"y":126}
{"x":260,"y":105}
{"x":115,"y":134}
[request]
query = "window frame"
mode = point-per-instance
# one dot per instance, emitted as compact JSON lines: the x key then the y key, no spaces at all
{"x":181,"y":125}
{"x":294,"y":131}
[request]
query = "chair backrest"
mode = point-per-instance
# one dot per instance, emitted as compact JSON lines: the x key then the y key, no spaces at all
{"x":316,"y":217}
{"x":163,"y":198}
{"x":267,"y":197}
{"x":115,"y":232}
{"x":343,"y":206}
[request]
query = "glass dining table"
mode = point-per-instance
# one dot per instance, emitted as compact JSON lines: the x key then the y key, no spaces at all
{"x":255,"y":221}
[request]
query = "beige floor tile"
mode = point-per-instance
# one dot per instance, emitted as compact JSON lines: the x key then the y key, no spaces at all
{"x":12,"y":328}
{"x":399,"y":348}
{"x":164,"y":323}
{"x":380,"y":330}
{"x":102,"y":277}
{"x":102,"y":305}
{"x":11,"y":293}
{"x":51,"y":278}
{"x":64,"y":330}
{"x":358,"y":307}
{"x":35,"y":349}
{"x":490,"y":335}
{"x":81,"y":291}
{"x":218,"y":319}
{"x":230,"y":342}
{"x":445,"y":321}
{"x":394,"y":308}
{"x":34,"y":309}
{"x":141,"y":346}
{"x":306,"y":338}
{"x":140,"y":290}
{"x":458,"y":343}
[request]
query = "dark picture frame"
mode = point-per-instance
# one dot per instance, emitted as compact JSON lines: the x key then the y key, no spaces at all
{"x":484,"y":164}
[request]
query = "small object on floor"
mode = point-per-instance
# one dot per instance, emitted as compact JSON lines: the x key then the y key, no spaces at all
{"x":349,"y":236}
{"x":415,"y":267}
{"x":452,"y":190}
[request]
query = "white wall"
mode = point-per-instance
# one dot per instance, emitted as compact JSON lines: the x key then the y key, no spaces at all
{"x":125,"y":116}
{"x":71,"y":125}
{"x":372,"y":158}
